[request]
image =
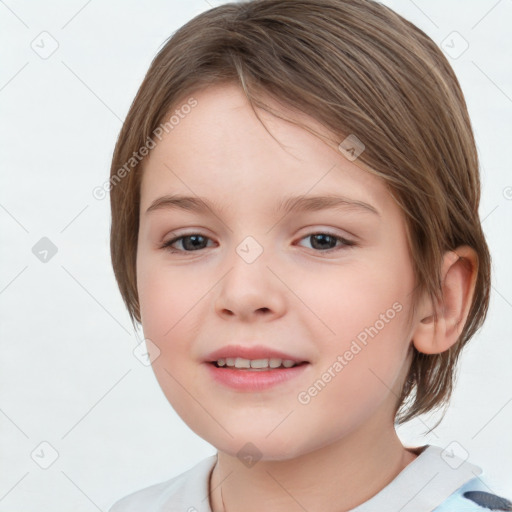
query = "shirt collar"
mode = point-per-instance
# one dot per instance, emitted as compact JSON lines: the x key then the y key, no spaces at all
{"x":421,"y":486}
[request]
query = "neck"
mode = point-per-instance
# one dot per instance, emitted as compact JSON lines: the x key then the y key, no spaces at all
{"x":334,"y":478}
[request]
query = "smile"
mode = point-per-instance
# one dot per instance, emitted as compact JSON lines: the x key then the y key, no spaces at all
{"x":240,"y":374}
{"x":255,"y":364}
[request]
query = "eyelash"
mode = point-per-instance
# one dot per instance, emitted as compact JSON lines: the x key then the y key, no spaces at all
{"x":347,"y":244}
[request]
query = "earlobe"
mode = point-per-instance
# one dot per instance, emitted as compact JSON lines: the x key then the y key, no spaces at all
{"x":458,"y":274}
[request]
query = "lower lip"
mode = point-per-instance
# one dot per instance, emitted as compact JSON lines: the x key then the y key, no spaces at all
{"x":257,"y":380}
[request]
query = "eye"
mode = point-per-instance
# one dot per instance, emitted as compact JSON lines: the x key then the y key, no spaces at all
{"x":322,"y":242}
{"x":326,"y":242}
{"x":190,"y":243}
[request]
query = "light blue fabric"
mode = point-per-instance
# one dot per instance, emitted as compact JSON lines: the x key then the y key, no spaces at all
{"x":458,"y":503}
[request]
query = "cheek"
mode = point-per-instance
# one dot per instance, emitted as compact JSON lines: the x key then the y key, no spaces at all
{"x":350,"y":299}
{"x":363,"y":320}
{"x":158,"y":304}
{"x":167,"y":302}
{"x":360,"y":368}
{"x":167,"y":299}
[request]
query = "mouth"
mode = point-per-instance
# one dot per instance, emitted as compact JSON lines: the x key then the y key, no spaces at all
{"x":257,"y":365}
{"x":247,"y":368}
{"x":255,"y":375}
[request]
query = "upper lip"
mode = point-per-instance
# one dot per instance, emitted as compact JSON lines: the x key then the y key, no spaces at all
{"x":250,"y":352}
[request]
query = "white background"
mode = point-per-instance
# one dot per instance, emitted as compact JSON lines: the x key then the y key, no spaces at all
{"x":68,"y":376}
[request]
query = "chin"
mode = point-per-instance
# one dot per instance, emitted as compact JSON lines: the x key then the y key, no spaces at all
{"x":254,"y":445}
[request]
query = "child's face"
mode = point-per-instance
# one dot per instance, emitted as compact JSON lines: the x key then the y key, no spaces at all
{"x":294,"y":297}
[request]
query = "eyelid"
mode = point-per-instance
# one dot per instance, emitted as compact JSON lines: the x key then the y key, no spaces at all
{"x":176,"y":237}
{"x":347,"y":242}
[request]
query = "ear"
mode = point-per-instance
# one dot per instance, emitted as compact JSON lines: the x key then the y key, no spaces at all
{"x":458,"y":276}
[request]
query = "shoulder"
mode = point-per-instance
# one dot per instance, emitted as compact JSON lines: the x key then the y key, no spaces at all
{"x":474,"y":497}
{"x":185,"y":492}
{"x":437,"y":480}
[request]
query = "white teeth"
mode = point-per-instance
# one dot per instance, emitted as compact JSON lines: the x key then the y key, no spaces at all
{"x":240,"y":362}
{"x":259,"y":363}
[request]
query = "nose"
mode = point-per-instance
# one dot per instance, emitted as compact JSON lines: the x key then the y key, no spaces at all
{"x":250,"y":291}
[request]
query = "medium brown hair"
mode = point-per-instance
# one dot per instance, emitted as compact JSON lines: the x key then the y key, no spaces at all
{"x":358,"y":68}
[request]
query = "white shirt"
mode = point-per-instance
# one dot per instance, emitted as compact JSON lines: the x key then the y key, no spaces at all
{"x":434,"y":481}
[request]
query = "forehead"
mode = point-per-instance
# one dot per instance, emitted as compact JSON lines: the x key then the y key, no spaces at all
{"x":220,"y":149}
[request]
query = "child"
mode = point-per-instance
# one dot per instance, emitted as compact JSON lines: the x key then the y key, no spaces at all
{"x":262,"y":130}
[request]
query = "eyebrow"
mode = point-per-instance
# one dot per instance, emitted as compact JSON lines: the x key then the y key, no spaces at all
{"x":288,"y":205}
